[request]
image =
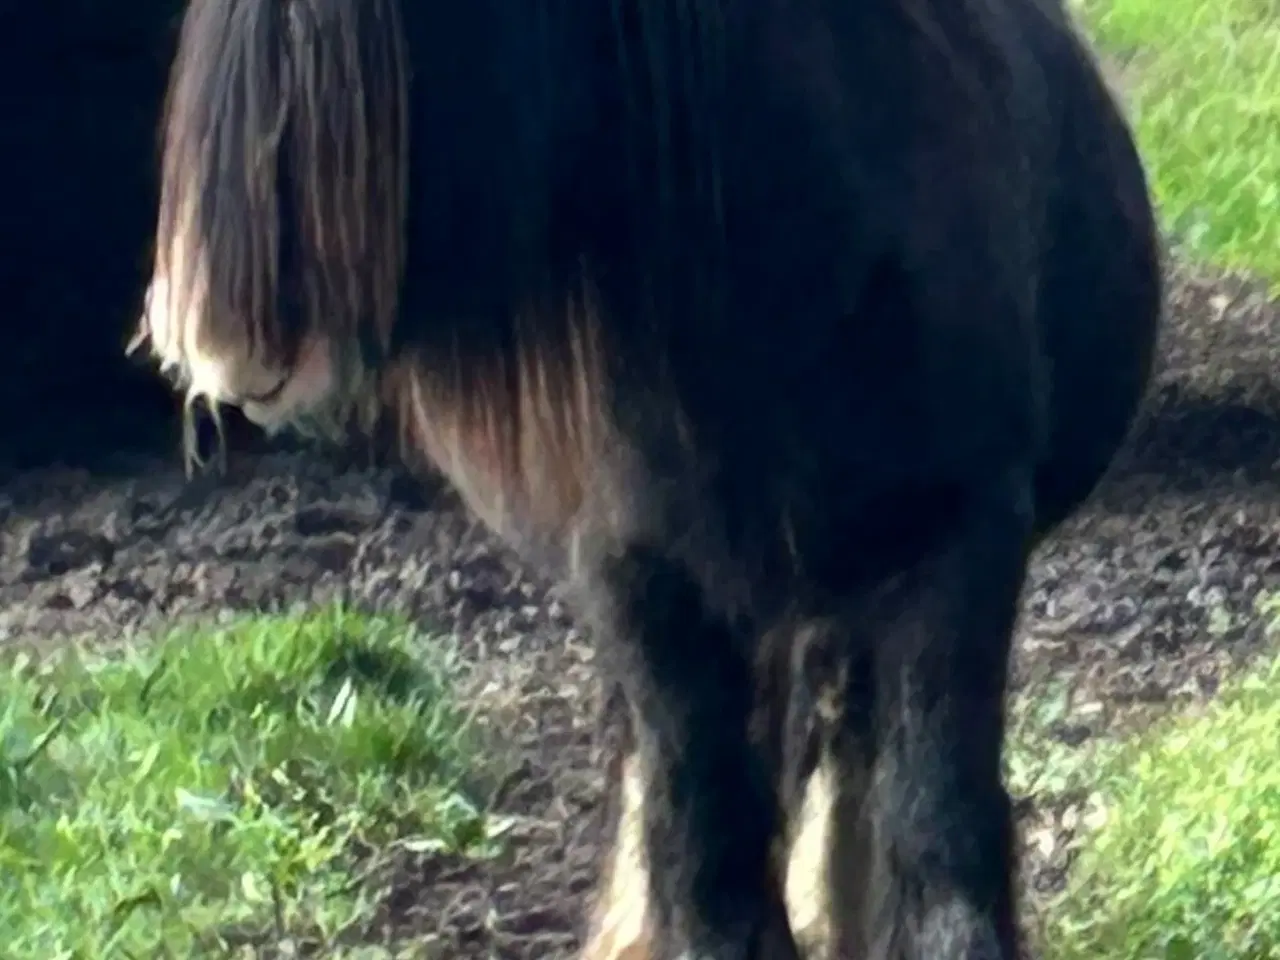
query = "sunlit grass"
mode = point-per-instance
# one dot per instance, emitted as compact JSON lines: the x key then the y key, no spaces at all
{"x":1185,"y":859}
{"x":224,"y":788}
{"x":1179,"y":843}
{"x":1202,"y":78}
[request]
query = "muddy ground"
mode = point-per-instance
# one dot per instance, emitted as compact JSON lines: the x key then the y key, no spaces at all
{"x":1146,"y":598}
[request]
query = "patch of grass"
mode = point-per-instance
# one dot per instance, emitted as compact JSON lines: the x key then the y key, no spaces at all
{"x":1203,"y":82}
{"x":1184,"y":857}
{"x":227,"y":789}
{"x":1036,"y":763}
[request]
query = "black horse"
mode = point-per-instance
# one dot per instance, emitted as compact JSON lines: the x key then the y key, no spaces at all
{"x":782,"y":329}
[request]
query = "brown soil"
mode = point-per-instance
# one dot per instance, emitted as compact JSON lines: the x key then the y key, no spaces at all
{"x":1117,"y":607}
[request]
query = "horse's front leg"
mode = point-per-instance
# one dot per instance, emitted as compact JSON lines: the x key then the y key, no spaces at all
{"x":702,"y":786}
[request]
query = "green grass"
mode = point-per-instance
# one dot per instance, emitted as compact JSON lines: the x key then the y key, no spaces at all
{"x":225,"y":790}
{"x":1203,"y":83}
{"x":1186,"y":861}
{"x":1180,"y":859}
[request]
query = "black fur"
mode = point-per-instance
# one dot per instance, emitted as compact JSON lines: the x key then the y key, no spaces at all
{"x":940,"y":291}
{"x":993,"y":341}
{"x":876,"y":285}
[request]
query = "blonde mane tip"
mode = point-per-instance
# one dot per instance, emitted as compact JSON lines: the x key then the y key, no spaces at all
{"x":192,"y":461}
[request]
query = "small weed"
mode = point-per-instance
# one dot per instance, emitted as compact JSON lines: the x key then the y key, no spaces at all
{"x":1038,"y":764}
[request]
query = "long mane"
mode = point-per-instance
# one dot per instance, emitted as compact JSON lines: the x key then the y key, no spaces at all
{"x":284,"y":179}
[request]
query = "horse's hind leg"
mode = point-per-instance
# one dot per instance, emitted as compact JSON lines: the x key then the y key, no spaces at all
{"x":826,"y":867}
{"x":620,"y":927}
{"x":941,"y":859}
{"x":824,"y":787}
{"x":708,"y":796}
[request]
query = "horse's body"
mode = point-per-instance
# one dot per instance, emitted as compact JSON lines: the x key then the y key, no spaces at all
{"x":780,"y":329}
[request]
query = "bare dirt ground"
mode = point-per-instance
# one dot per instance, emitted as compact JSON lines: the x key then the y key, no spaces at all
{"x":1146,"y":598}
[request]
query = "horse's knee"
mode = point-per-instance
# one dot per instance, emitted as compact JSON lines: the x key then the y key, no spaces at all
{"x":943,"y":866}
